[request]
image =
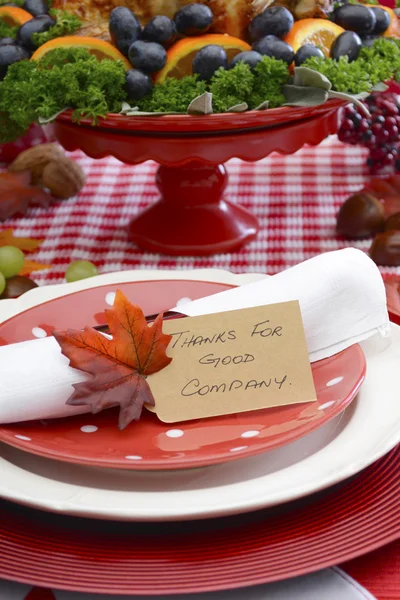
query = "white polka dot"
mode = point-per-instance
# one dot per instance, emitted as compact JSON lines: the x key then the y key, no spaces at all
{"x":183,"y":301}
{"x":250,"y":434}
{"x":38,"y":332}
{"x":133,"y":457}
{"x":334,"y":381}
{"x":89,"y":428}
{"x":175,"y":433}
{"x":110,"y":297}
{"x":326,"y":405}
{"x":24,"y":438}
{"x":238,"y":449}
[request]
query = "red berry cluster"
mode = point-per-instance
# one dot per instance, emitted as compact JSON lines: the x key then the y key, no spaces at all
{"x":380,"y":132}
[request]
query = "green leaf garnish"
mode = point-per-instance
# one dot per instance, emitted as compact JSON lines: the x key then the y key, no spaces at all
{"x":66,"y":24}
{"x":7,"y":30}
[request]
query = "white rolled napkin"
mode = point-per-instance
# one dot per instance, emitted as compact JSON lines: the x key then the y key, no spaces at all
{"x":342,"y":300}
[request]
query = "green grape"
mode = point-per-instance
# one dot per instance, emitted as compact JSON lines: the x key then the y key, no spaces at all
{"x":80,"y":269}
{"x":2,"y":283}
{"x":11,"y":261}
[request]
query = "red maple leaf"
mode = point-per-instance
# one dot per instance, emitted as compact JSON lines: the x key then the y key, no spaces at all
{"x":17,"y":195}
{"x":118,"y":366}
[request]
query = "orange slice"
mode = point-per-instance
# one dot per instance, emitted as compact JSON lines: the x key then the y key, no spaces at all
{"x":394,"y":28}
{"x":180,"y":56}
{"x":320,"y":32}
{"x":14,"y":16}
{"x":98,"y":48}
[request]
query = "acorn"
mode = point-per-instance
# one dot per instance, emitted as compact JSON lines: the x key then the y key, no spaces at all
{"x":361,"y":215}
{"x":16,"y":286}
{"x":385,"y":249}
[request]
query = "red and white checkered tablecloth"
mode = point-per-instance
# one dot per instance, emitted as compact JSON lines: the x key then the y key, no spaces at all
{"x":295,"y":198}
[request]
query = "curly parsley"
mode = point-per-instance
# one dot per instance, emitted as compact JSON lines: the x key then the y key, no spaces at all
{"x":377,"y":63}
{"x":66,"y":24}
{"x":7,"y":31}
{"x":173,"y":95}
{"x":231,"y":87}
{"x":31,"y":90}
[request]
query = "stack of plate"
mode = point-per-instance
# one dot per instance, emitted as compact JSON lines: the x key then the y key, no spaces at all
{"x":295,"y":489}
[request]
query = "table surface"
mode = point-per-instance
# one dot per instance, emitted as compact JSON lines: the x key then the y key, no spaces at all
{"x":295,"y":198}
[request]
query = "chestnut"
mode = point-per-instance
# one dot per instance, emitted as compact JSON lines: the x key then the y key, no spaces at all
{"x":16,"y":286}
{"x":361,"y":215}
{"x":393,"y":222}
{"x":385,"y":249}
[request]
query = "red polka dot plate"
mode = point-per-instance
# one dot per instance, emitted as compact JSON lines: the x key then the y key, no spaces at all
{"x":150,"y":444}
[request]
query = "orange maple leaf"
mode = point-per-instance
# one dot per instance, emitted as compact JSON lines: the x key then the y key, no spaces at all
{"x":30,"y":266}
{"x":7,"y":238}
{"x":17,"y":195}
{"x":118,"y":366}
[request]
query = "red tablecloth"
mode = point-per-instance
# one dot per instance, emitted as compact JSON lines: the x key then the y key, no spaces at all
{"x":295,"y":198}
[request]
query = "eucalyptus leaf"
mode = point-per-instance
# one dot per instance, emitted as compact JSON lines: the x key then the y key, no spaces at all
{"x":380,"y":87}
{"x":296,"y":95}
{"x":202,"y":105}
{"x":238,"y":108}
{"x":263,"y":106}
{"x":126,"y":108}
{"x":303,"y":76}
{"x":139,"y":113}
{"x":353,"y":99}
{"x":44,"y":121}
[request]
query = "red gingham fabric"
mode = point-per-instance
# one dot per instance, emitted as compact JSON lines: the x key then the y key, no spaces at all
{"x":295,"y":198}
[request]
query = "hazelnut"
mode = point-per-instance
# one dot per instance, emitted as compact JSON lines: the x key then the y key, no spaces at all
{"x":393,"y":222}
{"x":16,"y":286}
{"x":361,"y":215}
{"x":385,"y":249}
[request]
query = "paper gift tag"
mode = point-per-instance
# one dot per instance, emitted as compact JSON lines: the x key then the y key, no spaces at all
{"x":232,"y":362}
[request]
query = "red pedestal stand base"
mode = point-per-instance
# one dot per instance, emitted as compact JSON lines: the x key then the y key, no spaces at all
{"x":192,"y":217}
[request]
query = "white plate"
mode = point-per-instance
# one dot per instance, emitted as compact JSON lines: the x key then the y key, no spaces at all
{"x":340,"y":449}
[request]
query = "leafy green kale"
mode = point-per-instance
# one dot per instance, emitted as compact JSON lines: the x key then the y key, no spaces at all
{"x":32,"y":90}
{"x":7,"y":30}
{"x":270,"y":76}
{"x":173,"y":95}
{"x":66,"y":24}
{"x":231,"y":87}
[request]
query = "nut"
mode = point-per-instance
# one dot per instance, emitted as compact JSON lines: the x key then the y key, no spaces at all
{"x":361,"y":215}
{"x":393,"y":222}
{"x":385,"y":249}
{"x":16,"y":286}
{"x":63,"y":177}
{"x":35,"y":159}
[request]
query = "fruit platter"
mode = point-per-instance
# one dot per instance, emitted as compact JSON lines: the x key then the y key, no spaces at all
{"x":192,"y":85}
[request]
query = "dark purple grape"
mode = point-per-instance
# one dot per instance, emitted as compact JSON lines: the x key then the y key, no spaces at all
{"x":35,"y":25}
{"x":208,"y":60}
{"x":124,"y":28}
{"x":160,"y":29}
{"x":36,"y":7}
{"x":276,"y":20}
{"x":193,"y":19}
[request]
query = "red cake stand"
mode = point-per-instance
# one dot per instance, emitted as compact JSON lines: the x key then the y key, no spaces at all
{"x":192,"y":216}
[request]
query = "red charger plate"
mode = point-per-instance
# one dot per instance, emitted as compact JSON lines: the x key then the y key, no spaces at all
{"x":151,"y":444}
{"x":150,"y":559}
